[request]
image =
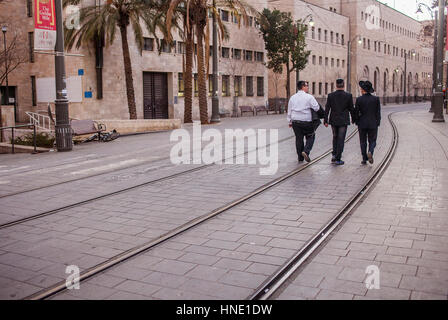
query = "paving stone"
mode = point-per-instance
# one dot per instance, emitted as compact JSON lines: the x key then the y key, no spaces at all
{"x":242,"y":279}
{"x":418,"y":295}
{"x":173,"y":267}
{"x":344,"y":286}
{"x":199,"y":258}
{"x":207,"y":273}
{"x":294,"y":291}
{"x":434,"y":286}
{"x":333,"y":295}
{"x":137,"y":287}
{"x":232,"y":264}
{"x":218,"y":290}
{"x":387,"y":293}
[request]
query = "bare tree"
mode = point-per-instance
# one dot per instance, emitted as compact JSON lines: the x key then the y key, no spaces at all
{"x":16,"y":55}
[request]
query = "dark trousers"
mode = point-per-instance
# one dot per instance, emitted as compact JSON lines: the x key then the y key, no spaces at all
{"x":370,"y":135}
{"x":339,"y":133}
{"x":303,"y":130}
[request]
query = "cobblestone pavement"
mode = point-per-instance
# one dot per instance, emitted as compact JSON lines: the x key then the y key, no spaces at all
{"x":401,"y":227}
{"x":247,"y":242}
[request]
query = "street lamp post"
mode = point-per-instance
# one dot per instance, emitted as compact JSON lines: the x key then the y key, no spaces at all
{"x":349,"y":62}
{"x":311,"y":23}
{"x":215,"y":100}
{"x":438,"y":95}
{"x":4,"y":30}
{"x":62,"y":127}
{"x":405,"y":73}
{"x":435,"y":30}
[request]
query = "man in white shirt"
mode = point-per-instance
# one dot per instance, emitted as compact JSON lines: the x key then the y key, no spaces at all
{"x":300,"y":119}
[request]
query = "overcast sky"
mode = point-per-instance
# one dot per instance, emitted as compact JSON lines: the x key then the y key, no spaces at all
{"x":409,"y":7}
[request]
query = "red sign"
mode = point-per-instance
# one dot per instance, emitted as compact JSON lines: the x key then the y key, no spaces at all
{"x":44,"y":24}
{"x":44,"y":15}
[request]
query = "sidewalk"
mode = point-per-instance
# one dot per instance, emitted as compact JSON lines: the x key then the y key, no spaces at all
{"x":401,"y":227}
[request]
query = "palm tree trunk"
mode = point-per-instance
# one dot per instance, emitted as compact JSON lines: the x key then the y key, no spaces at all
{"x":202,"y":86}
{"x":188,"y":78}
{"x":128,"y":73}
{"x":288,"y":83}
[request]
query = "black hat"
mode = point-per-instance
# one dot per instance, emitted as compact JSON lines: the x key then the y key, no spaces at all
{"x":366,"y":86}
{"x":339,"y":81}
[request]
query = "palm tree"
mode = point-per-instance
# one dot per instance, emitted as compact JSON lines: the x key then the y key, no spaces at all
{"x":198,"y":24}
{"x":98,"y":21}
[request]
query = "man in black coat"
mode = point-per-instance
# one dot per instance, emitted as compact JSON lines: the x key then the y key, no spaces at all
{"x":339,"y":105}
{"x":368,"y":115}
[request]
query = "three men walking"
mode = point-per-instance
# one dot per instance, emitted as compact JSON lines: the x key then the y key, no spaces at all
{"x":366,"y":114}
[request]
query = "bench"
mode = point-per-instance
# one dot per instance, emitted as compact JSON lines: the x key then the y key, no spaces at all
{"x":247,"y":109}
{"x":82,"y":127}
{"x":261,"y":109}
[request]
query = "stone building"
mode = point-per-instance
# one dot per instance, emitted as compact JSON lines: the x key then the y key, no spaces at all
{"x":380,"y":39}
{"x":242,"y":72}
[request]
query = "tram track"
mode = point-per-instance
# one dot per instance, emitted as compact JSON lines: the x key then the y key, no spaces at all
{"x":133,"y":252}
{"x":268,"y":289}
{"x":110,"y":194}
{"x":105,"y":172}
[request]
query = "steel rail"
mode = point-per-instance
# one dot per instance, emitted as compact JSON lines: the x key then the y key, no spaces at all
{"x":271,"y":285}
{"x":61,"y":286}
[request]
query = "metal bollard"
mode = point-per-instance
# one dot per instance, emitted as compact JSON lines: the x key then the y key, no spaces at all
{"x":12,"y":139}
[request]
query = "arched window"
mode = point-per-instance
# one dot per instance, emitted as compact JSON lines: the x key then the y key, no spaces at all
{"x":376,"y":79}
{"x":365,"y":73}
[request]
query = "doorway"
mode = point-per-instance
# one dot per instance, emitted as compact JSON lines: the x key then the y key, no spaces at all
{"x":155,"y":95}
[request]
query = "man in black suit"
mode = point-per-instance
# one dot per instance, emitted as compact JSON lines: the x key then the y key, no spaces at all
{"x":368,"y":115}
{"x":339,"y":105}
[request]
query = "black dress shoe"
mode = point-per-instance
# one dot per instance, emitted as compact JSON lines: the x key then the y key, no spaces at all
{"x":363,"y":162}
{"x":306,"y":156}
{"x":333,"y":159}
{"x":370,"y":157}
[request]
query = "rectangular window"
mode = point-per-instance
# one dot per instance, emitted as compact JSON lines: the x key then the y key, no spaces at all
{"x":234,"y":18}
{"x":314,"y":87}
{"x":314,"y":59}
{"x":313,"y":32}
{"x":180,"y":85}
{"x":29,"y":8}
{"x":225,"y":15}
{"x":319,"y":34}
{"x":195,"y":85}
{"x":338,"y":63}
{"x":320,"y":88}
{"x":210,"y":84}
{"x":225,"y":52}
{"x":248,"y":55}
{"x":31,"y":46}
{"x":342,"y":40}
{"x":337,"y":38}
{"x":332,"y":62}
{"x":260,"y":56}
{"x":343,"y":63}
{"x":33,"y":90}
{"x":148,"y":44}
{"x":181,"y":47}
{"x":249,"y":86}
{"x":332,"y":86}
{"x":331,"y":36}
{"x":320,"y":61}
{"x":326,"y":88}
{"x":260,"y":86}
{"x":225,"y":86}
{"x":326,"y":62}
{"x":326,"y":35}
{"x":237,"y":54}
{"x":237,"y":86}
{"x":164,"y":46}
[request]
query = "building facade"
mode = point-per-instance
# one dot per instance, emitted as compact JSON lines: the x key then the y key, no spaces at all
{"x":157,"y":74}
{"x":380,"y":39}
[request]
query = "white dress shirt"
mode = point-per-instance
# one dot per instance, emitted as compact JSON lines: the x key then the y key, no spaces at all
{"x":299,"y":106}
